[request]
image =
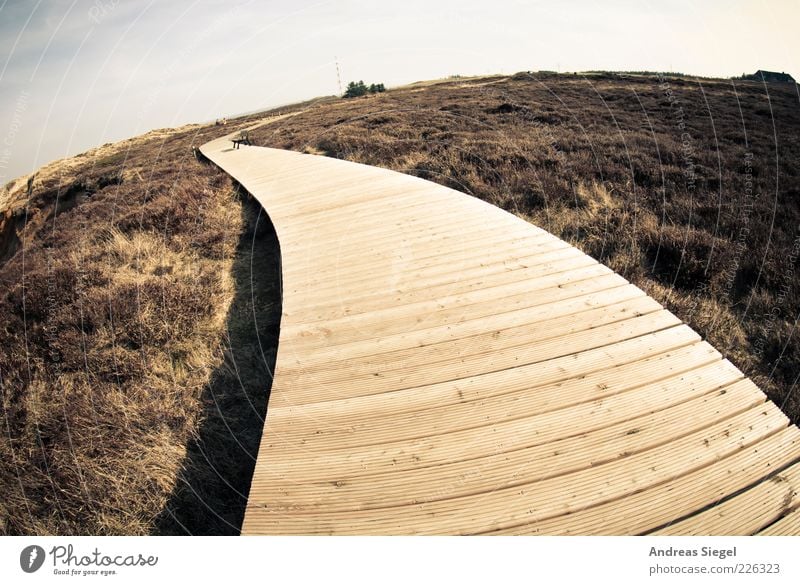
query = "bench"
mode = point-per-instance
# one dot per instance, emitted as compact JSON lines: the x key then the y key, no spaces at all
{"x":241,"y":139}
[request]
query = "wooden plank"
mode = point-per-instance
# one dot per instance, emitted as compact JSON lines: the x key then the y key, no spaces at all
{"x":408,"y":292}
{"x":516,"y":332}
{"x":497,"y":410}
{"x":552,"y":370}
{"x":302,"y":455}
{"x":758,"y":507}
{"x":396,"y":228}
{"x":308,"y":387}
{"x":598,"y":374}
{"x":410,"y":257}
{"x":454,"y":307}
{"x":423,"y":337}
{"x":397,"y":274}
{"x":504,"y":469}
{"x":345,"y":246}
{"x":506,"y":507}
{"x":348,"y":365}
{"x":788,"y":525}
{"x":393,"y":218}
{"x":654,"y":506}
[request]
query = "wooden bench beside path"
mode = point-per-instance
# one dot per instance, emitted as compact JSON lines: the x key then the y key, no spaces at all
{"x":445,"y":367}
{"x":241,"y":138}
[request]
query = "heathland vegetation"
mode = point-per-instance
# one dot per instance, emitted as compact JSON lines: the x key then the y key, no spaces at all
{"x":140,"y":294}
{"x":687,"y":187}
{"x":132,"y":380}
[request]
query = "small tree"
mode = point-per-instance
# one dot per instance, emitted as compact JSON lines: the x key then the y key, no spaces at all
{"x":355,"y":89}
{"x":358,"y":88}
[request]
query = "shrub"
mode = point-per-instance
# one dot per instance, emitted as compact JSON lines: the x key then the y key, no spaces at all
{"x":355,"y":89}
{"x":359,"y":88}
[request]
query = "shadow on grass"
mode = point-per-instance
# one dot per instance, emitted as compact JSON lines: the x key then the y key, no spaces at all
{"x":211,"y":493}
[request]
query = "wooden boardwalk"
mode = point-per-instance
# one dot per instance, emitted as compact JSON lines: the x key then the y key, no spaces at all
{"x":445,"y":367}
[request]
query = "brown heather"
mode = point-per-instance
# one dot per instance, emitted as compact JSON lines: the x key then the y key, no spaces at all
{"x":140,"y":298}
{"x":125,"y":282}
{"x":687,"y":187}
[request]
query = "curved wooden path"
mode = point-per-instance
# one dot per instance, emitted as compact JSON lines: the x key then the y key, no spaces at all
{"x":445,"y":367}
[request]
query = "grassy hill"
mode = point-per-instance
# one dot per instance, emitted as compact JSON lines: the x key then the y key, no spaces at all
{"x":126,"y":278}
{"x":140,"y":297}
{"x":687,"y":187}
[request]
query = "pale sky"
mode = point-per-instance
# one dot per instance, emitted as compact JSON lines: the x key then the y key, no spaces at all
{"x":77,"y":74}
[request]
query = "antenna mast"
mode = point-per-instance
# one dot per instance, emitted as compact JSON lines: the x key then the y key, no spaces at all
{"x":338,"y":75}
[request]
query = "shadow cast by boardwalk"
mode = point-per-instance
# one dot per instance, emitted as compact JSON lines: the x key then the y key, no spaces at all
{"x":211,"y":493}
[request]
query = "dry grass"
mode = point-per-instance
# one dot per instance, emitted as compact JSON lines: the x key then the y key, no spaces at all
{"x":140,"y":293}
{"x":687,"y":187}
{"x":123,"y":276}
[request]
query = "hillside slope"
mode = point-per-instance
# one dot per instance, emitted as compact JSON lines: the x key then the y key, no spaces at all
{"x":687,"y":187}
{"x":139,"y":290}
{"x":126,"y":279}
